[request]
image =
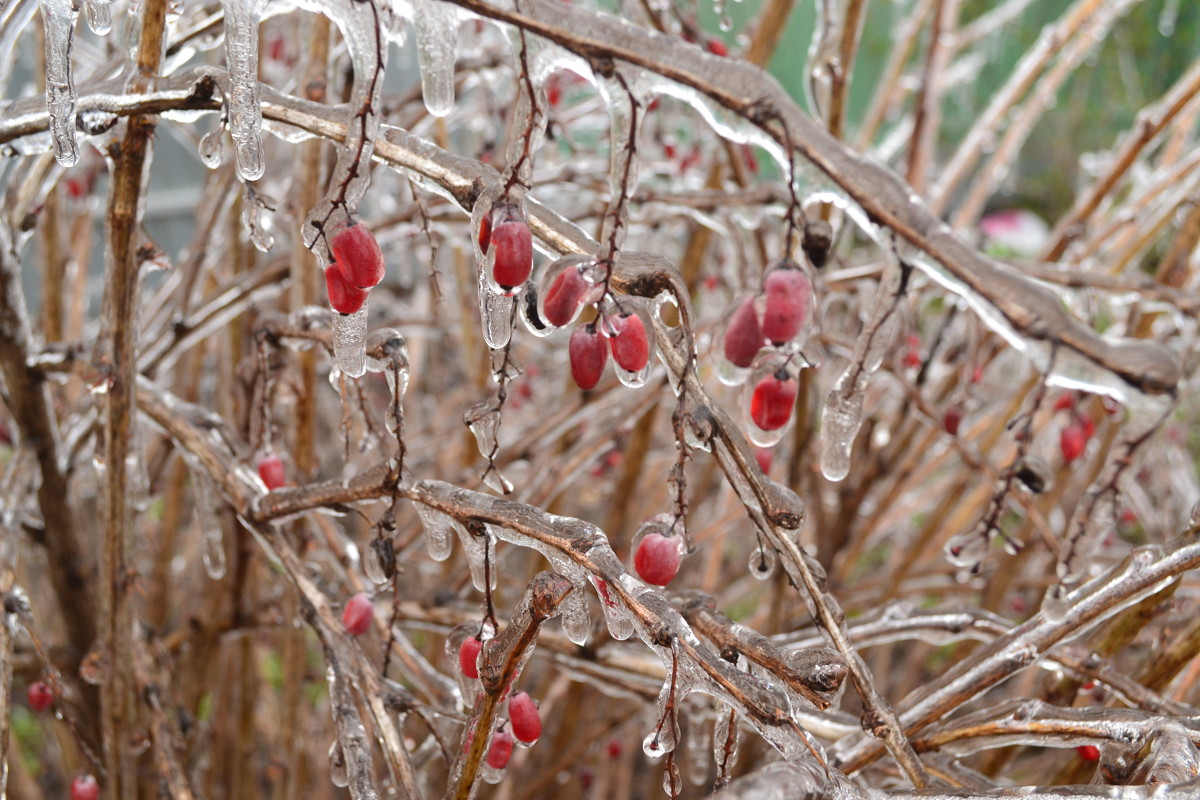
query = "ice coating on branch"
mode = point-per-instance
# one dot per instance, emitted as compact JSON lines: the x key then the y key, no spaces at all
{"x":620,"y":626}
{"x":726,"y":738}
{"x":479,"y":550}
{"x":436,"y":23}
{"x":350,"y":342}
{"x":496,"y":311}
{"x":626,"y":96}
{"x":209,"y":149}
{"x":245,"y":110}
{"x":58,"y":18}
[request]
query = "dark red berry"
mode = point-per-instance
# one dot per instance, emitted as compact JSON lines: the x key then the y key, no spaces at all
{"x":588,"y":352}
{"x":788,"y":294}
{"x":717,"y":47}
{"x":952,"y":419}
{"x":563,"y":299}
{"x":512,"y":242}
{"x":501,"y":750}
{"x":630,"y":348}
{"x":1088,"y":752}
{"x":358,"y":256}
{"x":525,"y":718}
{"x":40,"y":696}
{"x":468,"y":656}
{"x":272,"y":472}
{"x":358,"y":614}
{"x":613,"y":748}
{"x":772,"y":401}
{"x":1072,"y":442}
{"x":85,"y":788}
{"x":343,"y":298}
{"x":657,"y":559}
{"x":743,"y":337}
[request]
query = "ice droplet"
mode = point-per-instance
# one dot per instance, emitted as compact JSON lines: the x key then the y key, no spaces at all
{"x":379,"y":562}
{"x":477,"y":549}
{"x":762,"y":562}
{"x":350,"y":342}
{"x":241,"y":59}
{"x":210,"y":149}
{"x":436,"y":24}
{"x":1194,"y":517}
{"x":58,"y":17}
{"x":99,"y":16}
{"x":1056,"y":605}
{"x":672,"y":780}
{"x":967,"y":549}
{"x":208,"y":504}
{"x":438,"y":529}
{"x":725,"y":741}
{"x":576,"y":622}
{"x":620,"y":626}
{"x":483,"y":419}
{"x":337,"y":765}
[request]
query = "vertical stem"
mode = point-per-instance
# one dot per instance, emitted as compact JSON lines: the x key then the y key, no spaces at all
{"x":928,"y":117}
{"x":130,"y":159}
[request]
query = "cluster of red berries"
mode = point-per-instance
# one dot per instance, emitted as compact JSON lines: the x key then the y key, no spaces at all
{"x":357,"y":266}
{"x":524,"y":720}
{"x":623,"y":333}
{"x":1073,"y":438}
{"x":776,"y":319}
{"x":41,"y":697}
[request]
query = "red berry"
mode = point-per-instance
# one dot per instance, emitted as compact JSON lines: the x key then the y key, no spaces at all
{"x":357,"y":255}
{"x":358,"y":614}
{"x":1065,"y":401}
{"x":952,"y":419}
{"x":772,"y":401}
{"x":657,"y":559}
{"x":1089,"y":425}
{"x":272,"y":472}
{"x":562,"y":300}
{"x":40,"y":696}
{"x":912,"y":359}
{"x":525,"y":719}
{"x":613,"y":748}
{"x":788,"y":294}
{"x":717,"y":47}
{"x":743,"y":337}
{"x":513,"y":243}
{"x":85,"y":788}
{"x":501,"y":750}
{"x":343,"y":298}
{"x":1088,"y":752}
{"x":468,"y":656}
{"x":588,"y":352}
{"x":630,"y":348}
{"x":1072,"y":441}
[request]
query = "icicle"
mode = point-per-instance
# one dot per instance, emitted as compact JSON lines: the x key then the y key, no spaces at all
{"x":207,"y":502}
{"x":476,"y":548}
{"x":252,"y":211}
{"x":620,"y":626}
{"x":58,"y":17}
{"x":438,"y":529}
{"x":350,"y":342}
{"x":99,"y":16}
{"x":762,"y":561}
{"x":497,"y":313}
{"x":379,"y":562}
{"x":665,"y":736}
{"x":436,"y":24}
{"x":697,"y":754}
{"x":576,"y":623}
{"x":245,"y":110}
{"x":840,"y":421}
{"x":672,"y":780}
{"x":725,"y":743}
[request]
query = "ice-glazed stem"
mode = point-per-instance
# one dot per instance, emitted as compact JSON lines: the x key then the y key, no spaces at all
{"x":59,"y":17}
{"x":245,"y":110}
